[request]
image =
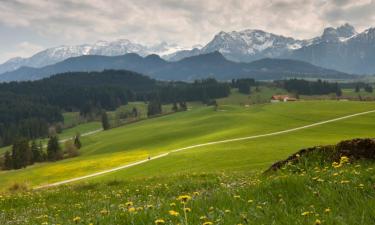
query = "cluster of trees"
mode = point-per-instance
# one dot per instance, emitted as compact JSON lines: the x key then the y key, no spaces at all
{"x":199,"y":90}
{"x":28,"y":109}
{"x":367,"y":87}
{"x":305,"y":87}
{"x":243,"y":85}
{"x":25,"y":153}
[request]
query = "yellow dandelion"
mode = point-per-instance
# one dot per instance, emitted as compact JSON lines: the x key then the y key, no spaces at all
{"x":208,"y":223}
{"x":172,"y":204}
{"x":128,"y":204}
{"x":187,"y":209}
{"x":318,"y":222}
{"x":131,"y":209}
{"x":203,"y":217}
{"x":327,"y":210}
{"x":305,"y":213}
{"x":184,"y":198}
{"x":173,"y":213}
{"x":159,"y":221}
{"x":76,"y":219}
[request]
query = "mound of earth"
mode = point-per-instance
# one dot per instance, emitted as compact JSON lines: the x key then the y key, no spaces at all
{"x":353,"y":149}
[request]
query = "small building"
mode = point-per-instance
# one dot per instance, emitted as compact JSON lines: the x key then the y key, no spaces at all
{"x":282,"y":98}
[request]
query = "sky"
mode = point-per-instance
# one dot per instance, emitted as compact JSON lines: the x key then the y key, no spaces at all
{"x":29,"y":26}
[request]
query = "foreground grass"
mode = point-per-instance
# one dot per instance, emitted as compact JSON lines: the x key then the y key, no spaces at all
{"x":137,"y":141}
{"x":303,"y":195}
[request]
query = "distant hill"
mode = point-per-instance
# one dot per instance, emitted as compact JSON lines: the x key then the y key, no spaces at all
{"x":201,"y":66}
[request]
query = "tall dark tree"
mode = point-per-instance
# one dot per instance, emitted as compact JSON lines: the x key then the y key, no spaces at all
{"x":54,"y":151}
{"x":154,"y":107}
{"x":8,"y":163}
{"x":105,"y":121}
{"x":21,"y":153}
{"x":36,"y":152}
{"x":77,"y":141}
{"x":135,"y":112}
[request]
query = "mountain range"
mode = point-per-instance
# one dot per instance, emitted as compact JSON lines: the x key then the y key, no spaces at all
{"x":115,"y":48}
{"x":341,"y":48}
{"x":212,"y":64}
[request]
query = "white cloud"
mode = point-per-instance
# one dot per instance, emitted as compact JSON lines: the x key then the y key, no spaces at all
{"x":185,"y":22}
{"x":23,"y":49}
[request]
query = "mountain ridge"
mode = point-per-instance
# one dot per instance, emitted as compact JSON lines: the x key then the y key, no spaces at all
{"x":195,"y":67}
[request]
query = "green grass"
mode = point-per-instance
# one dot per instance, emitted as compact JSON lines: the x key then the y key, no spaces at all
{"x":67,"y":133}
{"x":320,"y":195}
{"x":137,"y":141}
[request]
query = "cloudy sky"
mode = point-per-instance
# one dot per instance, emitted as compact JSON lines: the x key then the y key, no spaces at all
{"x":28,"y":26}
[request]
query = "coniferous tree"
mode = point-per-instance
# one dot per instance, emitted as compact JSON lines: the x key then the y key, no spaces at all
{"x":77,"y":141}
{"x":105,"y":122}
{"x":8,"y":164}
{"x":36,"y":152}
{"x":53,"y":149}
{"x":21,"y":153}
{"x":135,"y":112}
{"x":154,"y":108}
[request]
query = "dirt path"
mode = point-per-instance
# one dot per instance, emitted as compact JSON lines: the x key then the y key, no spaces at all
{"x":201,"y":145}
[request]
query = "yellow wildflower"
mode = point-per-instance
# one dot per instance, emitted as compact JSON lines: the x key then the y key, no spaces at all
{"x":173,"y":213}
{"x":76,"y":219}
{"x":184,"y":198}
{"x":318,"y":222}
{"x":207,"y":223}
{"x":159,"y":221}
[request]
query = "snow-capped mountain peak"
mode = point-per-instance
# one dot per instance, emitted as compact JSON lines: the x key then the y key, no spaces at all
{"x":106,"y":48}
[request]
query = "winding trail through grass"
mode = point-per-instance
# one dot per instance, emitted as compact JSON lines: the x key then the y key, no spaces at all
{"x":197,"y":146}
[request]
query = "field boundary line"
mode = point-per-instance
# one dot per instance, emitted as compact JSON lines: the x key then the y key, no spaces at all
{"x":201,"y":145}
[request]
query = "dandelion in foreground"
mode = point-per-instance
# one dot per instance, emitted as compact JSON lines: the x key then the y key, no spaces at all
{"x":128,"y":204}
{"x":207,"y":223}
{"x":305,"y":213}
{"x":187,"y":210}
{"x":76,"y":219}
{"x":173,"y":213}
{"x":159,"y":221}
{"x":184,"y":198}
{"x":318,"y":222}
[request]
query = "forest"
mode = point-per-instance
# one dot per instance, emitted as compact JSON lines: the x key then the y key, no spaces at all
{"x":28,"y":108}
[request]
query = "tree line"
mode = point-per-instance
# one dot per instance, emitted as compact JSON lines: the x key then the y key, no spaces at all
{"x":305,"y":87}
{"x":28,"y":109}
{"x":25,"y":152}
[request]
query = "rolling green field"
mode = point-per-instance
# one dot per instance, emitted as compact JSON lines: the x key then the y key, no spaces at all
{"x":137,"y":141}
{"x":222,"y":183}
{"x":304,"y":193}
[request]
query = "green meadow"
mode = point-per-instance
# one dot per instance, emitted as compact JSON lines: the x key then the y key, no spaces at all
{"x":137,"y":141}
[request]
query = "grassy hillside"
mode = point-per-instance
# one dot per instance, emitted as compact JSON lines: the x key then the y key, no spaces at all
{"x":137,"y":141}
{"x":306,"y":192}
{"x":69,"y":132}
